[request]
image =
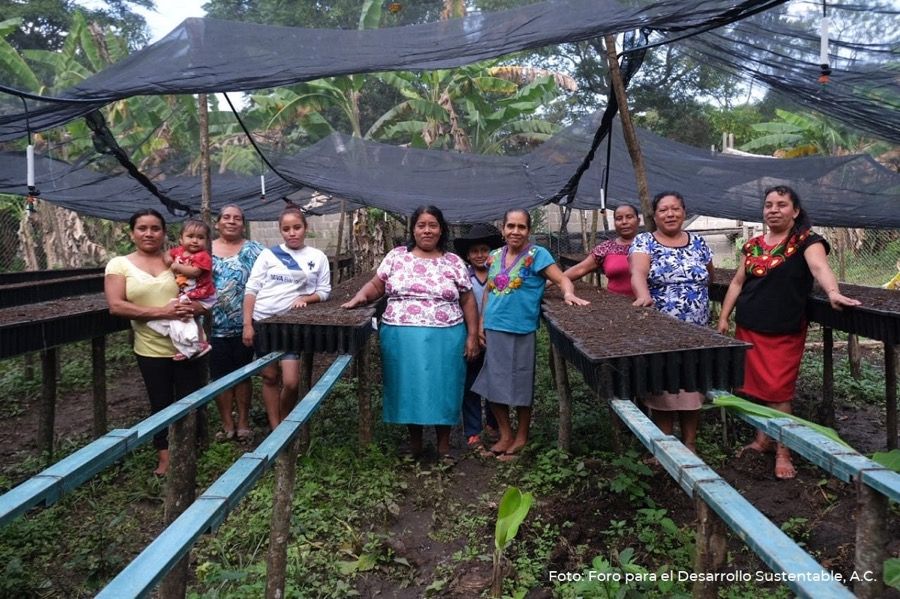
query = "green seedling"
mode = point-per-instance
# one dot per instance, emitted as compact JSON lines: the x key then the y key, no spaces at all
{"x":513,"y":508}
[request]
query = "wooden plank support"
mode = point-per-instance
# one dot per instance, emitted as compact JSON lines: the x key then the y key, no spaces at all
{"x":98,"y":375}
{"x":778,"y":551}
{"x":181,"y":488}
{"x":33,"y":492}
{"x":50,"y":484}
{"x":565,"y":399}
{"x":139,"y":577}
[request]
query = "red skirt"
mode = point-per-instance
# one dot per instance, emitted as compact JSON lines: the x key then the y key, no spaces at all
{"x":772,"y":364}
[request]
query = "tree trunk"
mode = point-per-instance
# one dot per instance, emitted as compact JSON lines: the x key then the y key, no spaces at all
{"x":631,"y":140}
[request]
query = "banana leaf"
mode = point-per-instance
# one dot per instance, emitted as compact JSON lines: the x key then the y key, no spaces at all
{"x":755,"y":409}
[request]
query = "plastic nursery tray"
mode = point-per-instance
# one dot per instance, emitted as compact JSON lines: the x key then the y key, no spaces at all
{"x":625,"y":351}
{"x":322,"y":327}
{"x":877,"y":318}
{"x":48,"y":324}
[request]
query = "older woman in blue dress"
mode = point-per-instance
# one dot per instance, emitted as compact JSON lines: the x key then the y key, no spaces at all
{"x":671,"y":270}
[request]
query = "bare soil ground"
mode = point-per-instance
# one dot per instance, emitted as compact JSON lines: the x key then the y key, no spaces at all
{"x":827,"y":505}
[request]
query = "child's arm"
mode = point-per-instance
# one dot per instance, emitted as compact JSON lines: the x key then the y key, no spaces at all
{"x":186,"y":270}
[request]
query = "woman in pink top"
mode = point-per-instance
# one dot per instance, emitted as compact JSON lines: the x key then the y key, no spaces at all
{"x":611,"y":256}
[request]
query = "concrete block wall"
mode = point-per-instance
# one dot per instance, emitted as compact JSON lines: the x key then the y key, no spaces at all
{"x":322,"y":232}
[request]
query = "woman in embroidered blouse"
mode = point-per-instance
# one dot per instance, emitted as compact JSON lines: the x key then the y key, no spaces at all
{"x":233,"y":257}
{"x":611,"y":256}
{"x":141,"y":287}
{"x":517,"y":277}
{"x":428,"y":327}
{"x":671,"y":270}
{"x":286,"y":277}
{"x":769,"y":290}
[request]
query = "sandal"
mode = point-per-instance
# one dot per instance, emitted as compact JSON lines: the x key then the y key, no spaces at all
{"x":448,"y":460}
{"x":244,"y":435}
{"x":224,"y":435}
{"x":508,"y":456}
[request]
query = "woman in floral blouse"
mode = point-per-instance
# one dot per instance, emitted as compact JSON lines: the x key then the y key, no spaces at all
{"x":516,"y":279}
{"x":428,"y":327}
{"x":670,"y":270}
{"x":769,"y":290}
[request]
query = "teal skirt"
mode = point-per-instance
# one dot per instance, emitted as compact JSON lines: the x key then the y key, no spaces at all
{"x":424,"y":373}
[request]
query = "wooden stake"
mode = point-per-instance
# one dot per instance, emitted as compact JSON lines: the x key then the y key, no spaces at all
{"x":711,"y":549}
{"x":306,"y":373}
{"x":276,"y":562}
{"x":205,"y":180}
{"x":98,"y":370}
{"x":47,"y":410}
{"x":180,"y":492}
{"x":890,"y":394}
{"x":340,"y":239}
{"x":628,"y":131}
{"x":363,"y":397}
{"x":565,"y":399}
{"x":871,"y":541}
{"x":826,"y":409}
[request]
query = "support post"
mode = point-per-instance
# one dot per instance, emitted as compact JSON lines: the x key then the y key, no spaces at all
{"x":711,"y":549}
{"x":628,"y":132}
{"x":871,"y":541}
{"x":306,"y":373}
{"x":363,"y":397}
{"x":890,"y":394}
{"x":565,"y":399}
{"x":205,"y":180}
{"x":98,"y":373}
{"x":276,"y":562}
{"x":339,"y":244}
{"x":180,"y":492}
{"x":47,"y":411}
{"x":826,"y":410}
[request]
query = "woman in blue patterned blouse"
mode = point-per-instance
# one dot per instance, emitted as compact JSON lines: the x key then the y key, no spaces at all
{"x":671,"y":270}
{"x":233,"y":257}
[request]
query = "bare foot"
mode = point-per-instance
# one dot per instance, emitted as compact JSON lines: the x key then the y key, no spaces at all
{"x":501,"y":446}
{"x":784,"y":467}
{"x":767,"y":447}
{"x":163,"y":466}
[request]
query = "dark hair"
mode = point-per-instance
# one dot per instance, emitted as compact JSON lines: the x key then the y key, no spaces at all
{"x":662,"y":194}
{"x":296,"y":212}
{"x":132,"y":222}
{"x":802,"y":222}
{"x":436,"y":213}
{"x":196,"y":223}
{"x":523,"y":211}
{"x":226,"y":207}
{"x":633,"y":208}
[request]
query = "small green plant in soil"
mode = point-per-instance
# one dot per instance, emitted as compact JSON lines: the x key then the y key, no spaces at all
{"x":628,"y":480}
{"x":511,"y":513}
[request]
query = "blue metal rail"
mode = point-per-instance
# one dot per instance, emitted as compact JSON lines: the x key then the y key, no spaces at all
{"x":839,"y":460}
{"x":48,"y":486}
{"x":804,"y":575}
{"x":208,"y":511}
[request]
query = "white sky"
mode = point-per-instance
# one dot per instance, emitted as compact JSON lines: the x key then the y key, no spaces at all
{"x":169,"y":14}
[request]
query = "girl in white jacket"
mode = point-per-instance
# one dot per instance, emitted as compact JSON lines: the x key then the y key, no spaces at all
{"x":287,"y":277}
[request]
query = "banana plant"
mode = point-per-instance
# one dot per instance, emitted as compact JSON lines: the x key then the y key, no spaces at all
{"x":513,"y":509}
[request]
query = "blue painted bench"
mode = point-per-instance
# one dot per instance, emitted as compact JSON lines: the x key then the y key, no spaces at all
{"x":209,"y":510}
{"x":778,"y":551}
{"x":841,"y":461}
{"x":48,"y":486}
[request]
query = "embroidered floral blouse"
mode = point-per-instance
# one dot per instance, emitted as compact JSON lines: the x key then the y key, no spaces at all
{"x":514,"y":298}
{"x":423,"y":292}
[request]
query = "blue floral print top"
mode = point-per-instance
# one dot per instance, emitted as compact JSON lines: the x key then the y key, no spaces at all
{"x":230,"y":277}
{"x":678,"y":277}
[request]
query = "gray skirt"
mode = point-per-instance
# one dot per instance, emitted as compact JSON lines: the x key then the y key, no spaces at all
{"x":508,"y":373}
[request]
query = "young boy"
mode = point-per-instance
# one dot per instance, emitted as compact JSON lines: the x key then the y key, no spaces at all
{"x":192,"y":265}
{"x":475,"y":247}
